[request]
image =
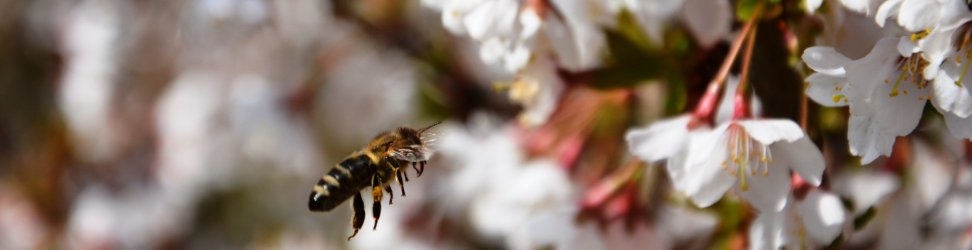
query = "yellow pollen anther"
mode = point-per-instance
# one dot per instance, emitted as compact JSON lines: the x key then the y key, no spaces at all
{"x":746,"y":156}
{"x":920,"y":35}
{"x":837,"y":98}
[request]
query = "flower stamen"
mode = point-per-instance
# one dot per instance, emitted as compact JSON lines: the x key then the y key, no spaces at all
{"x":911,"y":69}
{"x":746,"y":155}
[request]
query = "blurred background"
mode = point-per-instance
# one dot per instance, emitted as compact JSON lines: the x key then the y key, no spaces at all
{"x":203,"y":124}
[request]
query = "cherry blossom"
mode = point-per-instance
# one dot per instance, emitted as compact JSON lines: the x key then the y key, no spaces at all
{"x":810,"y":223}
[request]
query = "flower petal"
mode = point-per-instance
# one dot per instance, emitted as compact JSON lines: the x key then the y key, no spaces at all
{"x":898,"y":111}
{"x":725,"y":109}
{"x":660,"y":140}
{"x":827,"y":90}
{"x":935,"y":48}
{"x":866,"y":140}
{"x":864,"y":74}
{"x":950,"y":95}
{"x":959,"y":127}
{"x":768,"y":193}
{"x":823,"y":215}
{"x":825,"y":60}
{"x":917,"y":15}
{"x":887,"y":10}
{"x":802,"y":156}
{"x":906,"y":46}
{"x":865,"y":188}
{"x":766,"y":231}
{"x":860,"y":6}
{"x":708,"y":182}
{"x":769,"y":131}
{"x":709,"y":21}
{"x":813,"y":5}
{"x":901,"y":232}
{"x":932,"y":173}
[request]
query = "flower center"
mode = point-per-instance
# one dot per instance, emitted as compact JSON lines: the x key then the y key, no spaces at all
{"x":910,"y":69}
{"x":746,"y":155}
{"x":520,"y":90}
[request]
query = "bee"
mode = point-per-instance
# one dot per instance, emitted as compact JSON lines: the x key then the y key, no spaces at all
{"x":385,"y":158}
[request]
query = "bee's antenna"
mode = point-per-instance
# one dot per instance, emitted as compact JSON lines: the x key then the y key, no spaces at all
{"x":429,"y":127}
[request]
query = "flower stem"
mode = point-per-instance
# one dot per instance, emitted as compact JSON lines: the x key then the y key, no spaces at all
{"x":741,"y":109}
{"x":708,"y":102}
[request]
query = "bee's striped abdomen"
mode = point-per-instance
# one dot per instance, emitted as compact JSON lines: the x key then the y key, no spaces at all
{"x":341,"y":182}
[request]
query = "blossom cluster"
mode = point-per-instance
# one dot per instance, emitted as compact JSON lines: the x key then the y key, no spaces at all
{"x":565,"y":124}
{"x":917,"y":52}
{"x":923,"y":56}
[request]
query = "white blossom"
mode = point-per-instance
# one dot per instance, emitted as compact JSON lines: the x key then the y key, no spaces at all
{"x":757,"y":155}
{"x":810,"y":223}
{"x":708,"y":21}
{"x":885,"y":90}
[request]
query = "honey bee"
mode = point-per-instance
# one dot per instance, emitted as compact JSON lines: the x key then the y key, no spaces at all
{"x":385,"y":158}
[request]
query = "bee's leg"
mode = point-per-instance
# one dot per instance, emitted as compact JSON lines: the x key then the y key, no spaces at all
{"x":390,"y":194}
{"x":415,"y":166}
{"x":376,"y":198}
{"x":421,"y":168}
{"x":359,"y":214}
{"x":405,"y":173}
{"x":401,"y":183}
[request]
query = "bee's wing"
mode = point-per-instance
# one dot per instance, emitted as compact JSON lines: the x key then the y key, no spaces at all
{"x":421,"y":152}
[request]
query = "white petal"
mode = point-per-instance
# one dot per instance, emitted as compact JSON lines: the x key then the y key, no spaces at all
{"x":813,"y":5}
{"x":491,"y":18}
{"x":886,"y":10}
{"x":823,"y":215}
{"x":870,"y":71}
{"x":959,"y":127}
{"x":545,"y":228}
{"x":577,"y":40}
{"x":452,"y":20}
{"x":492,"y":50}
{"x":707,"y":182}
{"x":827,"y":90}
{"x":953,"y":14}
{"x":859,"y":6}
{"x":709,"y":21}
{"x":726,"y":103}
{"x":802,"y":156}
{"x":550,"y":86}
{"x":677,"y":168}
{"x":769,"y":131}
{"x":906,"y":47}
{"x":901,"y":229}
{"x":899,"y":114}
{"x":866,"y":140}
{"x":825,"y":60}
{"x":529,"y":23}
{"x":865,"y":188}
{"x":755,"y":105}
{"x":517,"y":58}
{"x":935,"y":48}
{"x":660,"y":140}
{"x":917,"y":15}
{"x":682,"y":223}
{"x":766,"y":232}
{"x":768,"y":193}
{"x":948,"y":95}
{"x":932,"y":173}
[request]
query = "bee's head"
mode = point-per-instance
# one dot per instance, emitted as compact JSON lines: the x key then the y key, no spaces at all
{"x":413,"y":144}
